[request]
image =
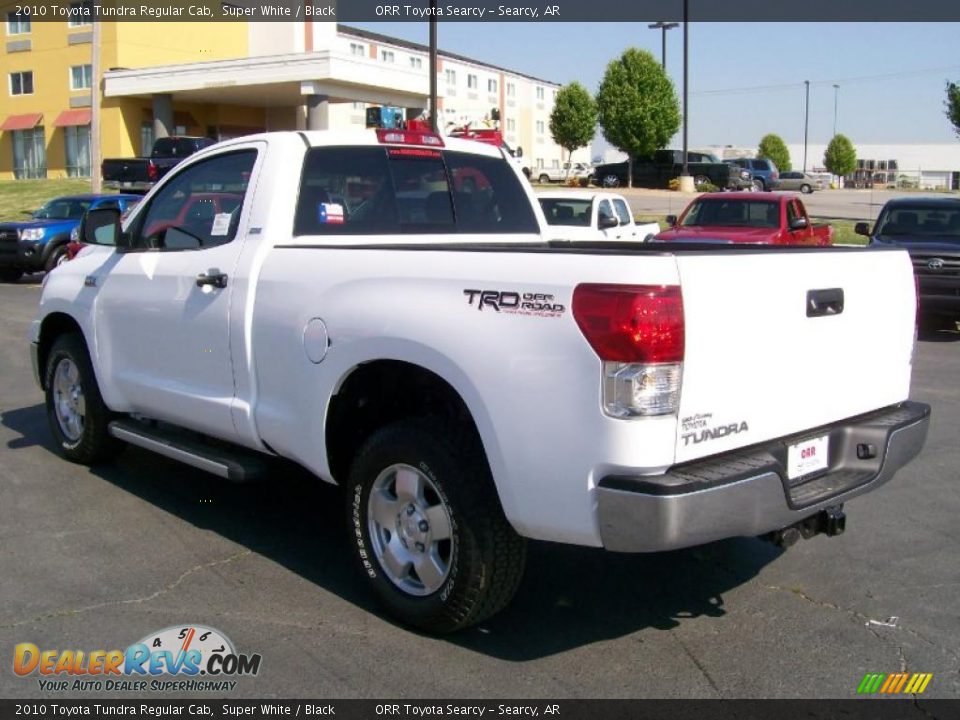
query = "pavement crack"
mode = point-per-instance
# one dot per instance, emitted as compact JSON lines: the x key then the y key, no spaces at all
{"x":130,"y":601}
{"x":700,"y":666}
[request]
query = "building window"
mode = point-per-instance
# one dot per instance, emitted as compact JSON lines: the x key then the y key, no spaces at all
{"x":511,"y":125}
{"x":387,"y":56}
{"x":81,"y":13}
{"x":80,"y":77}
{"x":17,"y":24}
{"x":511,"y":89}
{"x":416,"y":63}
{"x":21,"y":83}
{"x":451,"y":76}
{"x":540,"y":127}
{"x":357,"y":49}
{"x":472,"y":82}
{"x":29,"y":154}
{"x":539,"y":92}
{"x":146,"y":138}
{"x":78,"y":150}
{"x":491,"y":86}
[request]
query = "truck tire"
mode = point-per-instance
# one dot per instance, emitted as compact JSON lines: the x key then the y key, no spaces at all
{"x":610,"y":181}
{"x":544,"y":179}
{"x":428,"y":529}
{"x":75,"y":410}
{"x":58,"y":256}
{"x":10,"y":275}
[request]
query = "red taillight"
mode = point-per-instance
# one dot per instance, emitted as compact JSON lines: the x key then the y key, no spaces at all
{"x":151,"y":171}
{"x":408,"y":137}
{"x":631,"y":323}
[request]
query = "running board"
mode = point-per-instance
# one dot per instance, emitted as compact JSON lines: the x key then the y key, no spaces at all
{"x":236,"y":466}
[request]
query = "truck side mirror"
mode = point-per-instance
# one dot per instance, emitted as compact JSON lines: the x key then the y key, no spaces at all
{"x":100,"y":227}
{"x":672,"y":220}
{"x":518,"y":152}
{"x":798,"y":223}
{"x":606,"y":221}
{"x":862,"y":228}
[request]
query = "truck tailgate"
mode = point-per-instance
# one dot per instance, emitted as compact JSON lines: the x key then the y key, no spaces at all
{"x":778,"y":343}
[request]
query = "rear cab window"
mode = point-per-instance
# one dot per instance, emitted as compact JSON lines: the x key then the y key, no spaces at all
{"x":372,"y":190}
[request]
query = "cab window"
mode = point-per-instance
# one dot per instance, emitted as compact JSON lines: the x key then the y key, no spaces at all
{"x":199,"y":208}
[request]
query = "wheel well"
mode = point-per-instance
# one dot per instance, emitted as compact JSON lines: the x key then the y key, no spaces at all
{"x":54,"y":325}
{"x":382,"y":392}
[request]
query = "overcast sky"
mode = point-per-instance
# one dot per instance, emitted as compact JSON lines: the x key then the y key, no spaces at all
{"x":748,"y":79}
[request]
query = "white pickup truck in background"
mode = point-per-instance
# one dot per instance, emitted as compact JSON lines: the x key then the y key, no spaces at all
{"x":385,"y":309}
{"x":591,"y":215}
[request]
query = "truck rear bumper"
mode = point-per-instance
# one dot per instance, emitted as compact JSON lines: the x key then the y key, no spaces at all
{"x":747,"y":492}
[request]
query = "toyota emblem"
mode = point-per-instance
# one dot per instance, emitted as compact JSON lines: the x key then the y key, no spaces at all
{"x":935,"y":264}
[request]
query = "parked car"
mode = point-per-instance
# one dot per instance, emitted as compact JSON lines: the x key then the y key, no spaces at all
{"x":140,"y":174}
{"x":468,"y":384}
{"x":766,"y":176}
{"x":585,"y":215}
{"x":562,"y":173}
{"x":799,"y":181}
{"x":657,"y":170}
{"x":40,"y":244}
{"x":777,"y":219}
{"x":929,"y":229}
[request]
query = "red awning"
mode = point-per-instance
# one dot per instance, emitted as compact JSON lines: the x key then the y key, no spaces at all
{"x":22,"y":122}
{"x":69,"y":118}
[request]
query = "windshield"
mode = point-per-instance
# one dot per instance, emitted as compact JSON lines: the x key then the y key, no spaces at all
{"x":62,"y":209}
{"x":733,"y":213}
{"x":920,"y":223}
{"x":566,"y":212}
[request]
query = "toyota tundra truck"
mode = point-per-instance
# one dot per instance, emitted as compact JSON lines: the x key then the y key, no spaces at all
{"x":382,"y":308}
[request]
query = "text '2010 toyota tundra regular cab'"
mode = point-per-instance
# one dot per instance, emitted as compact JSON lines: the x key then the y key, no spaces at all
{"x":381,"y":308}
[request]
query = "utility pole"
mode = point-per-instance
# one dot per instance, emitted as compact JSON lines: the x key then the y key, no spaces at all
{"x":434,"y":120}
{"x":96,"y":81}
{"x":686,"y":104}
{"x":806,"y":124}
{"x":836,"y":93}
{"x":663,"y":27}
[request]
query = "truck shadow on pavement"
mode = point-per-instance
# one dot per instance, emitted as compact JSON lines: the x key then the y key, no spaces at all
{"x":570,"y":596}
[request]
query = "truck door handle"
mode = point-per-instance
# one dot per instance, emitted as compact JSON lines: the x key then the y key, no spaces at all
{"x":214,"y":278}
{"x":824,"y":302}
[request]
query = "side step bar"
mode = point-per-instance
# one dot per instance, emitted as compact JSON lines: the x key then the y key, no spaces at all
{"x":233,"y":465}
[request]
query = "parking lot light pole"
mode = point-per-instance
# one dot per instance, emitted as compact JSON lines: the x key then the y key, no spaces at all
{"x":836,"y":93}
{"x":806,"y":124}
{"x":663,"y":27}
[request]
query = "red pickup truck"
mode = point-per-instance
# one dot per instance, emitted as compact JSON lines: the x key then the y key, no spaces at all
{"x":745,"y":217}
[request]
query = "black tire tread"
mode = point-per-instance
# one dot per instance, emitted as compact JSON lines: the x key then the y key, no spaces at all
{"x":96,"y":445}
{"x":490,"y":541}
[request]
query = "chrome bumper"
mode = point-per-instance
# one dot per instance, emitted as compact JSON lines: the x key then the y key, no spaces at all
{"x":747,"y":493}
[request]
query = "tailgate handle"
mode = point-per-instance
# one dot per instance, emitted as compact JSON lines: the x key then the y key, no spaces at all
{"x":824,"y":302}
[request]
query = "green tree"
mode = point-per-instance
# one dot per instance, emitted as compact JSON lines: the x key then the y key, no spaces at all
{"x":772,"y":147}
{"x":841,"y":157}
{"x":953,"y":106}
{"x":637,"y":105}
{"x":574,"y":118}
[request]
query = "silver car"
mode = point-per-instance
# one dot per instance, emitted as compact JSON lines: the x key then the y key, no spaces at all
{"x":805,"y":183}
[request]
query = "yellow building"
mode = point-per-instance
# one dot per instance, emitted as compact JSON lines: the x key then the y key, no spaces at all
{"x":225,"y":79}
{"x":47,"y":100}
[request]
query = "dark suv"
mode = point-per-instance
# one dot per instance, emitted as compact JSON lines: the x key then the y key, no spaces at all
{"x":765,"y":173}
{"x":929,"y":229}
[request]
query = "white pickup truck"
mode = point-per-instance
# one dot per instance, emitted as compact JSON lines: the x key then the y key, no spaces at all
{"x":591,"y":215}
{"x":382,"y":308}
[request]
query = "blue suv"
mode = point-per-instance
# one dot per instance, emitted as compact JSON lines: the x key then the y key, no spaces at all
{"x":766,"y":176}
{"x":39,"y":244}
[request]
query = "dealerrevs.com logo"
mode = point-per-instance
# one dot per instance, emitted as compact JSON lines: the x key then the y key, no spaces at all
{"x":179,"y":658}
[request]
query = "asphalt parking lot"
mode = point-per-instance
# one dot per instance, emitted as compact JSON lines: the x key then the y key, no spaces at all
{"x":98,"y":559}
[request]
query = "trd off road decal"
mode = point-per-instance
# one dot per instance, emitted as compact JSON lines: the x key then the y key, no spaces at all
{"x":515,"y":303}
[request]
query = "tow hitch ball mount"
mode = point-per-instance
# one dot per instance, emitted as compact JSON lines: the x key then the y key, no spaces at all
{"x":831,"y":521}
